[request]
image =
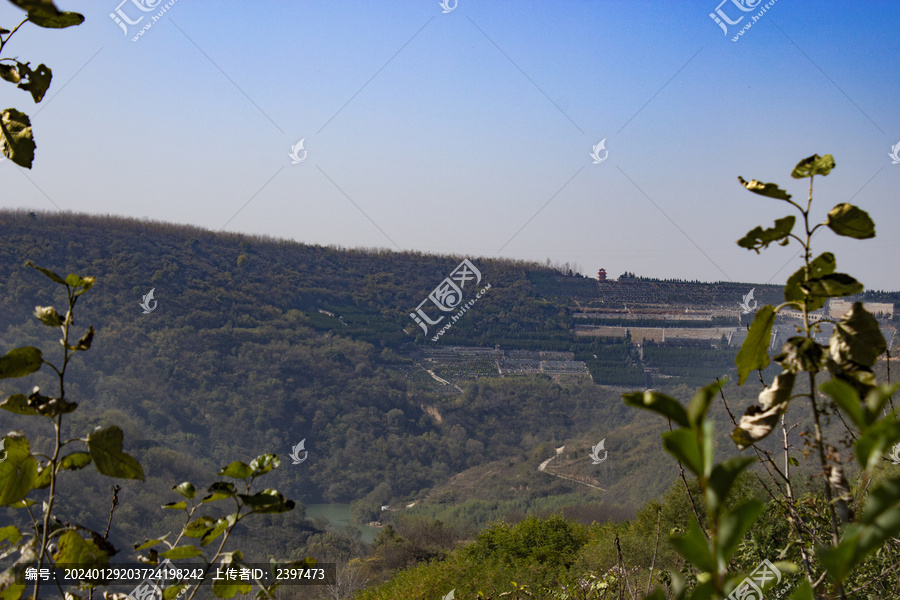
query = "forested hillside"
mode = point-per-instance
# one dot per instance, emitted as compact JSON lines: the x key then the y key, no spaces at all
{"x":236,"y":360}
{"x":255,"y":344}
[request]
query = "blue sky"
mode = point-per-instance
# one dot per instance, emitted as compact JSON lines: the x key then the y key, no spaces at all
{"x":470,"y":132}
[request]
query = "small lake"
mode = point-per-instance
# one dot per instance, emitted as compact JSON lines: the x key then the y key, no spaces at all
{"x":338,"y":516}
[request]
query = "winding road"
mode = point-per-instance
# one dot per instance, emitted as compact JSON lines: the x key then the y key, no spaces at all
{"x":543,"y":469}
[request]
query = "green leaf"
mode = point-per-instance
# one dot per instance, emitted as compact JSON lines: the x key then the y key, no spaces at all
{"x":765,"y":189}
{"x":857,"y":338}
{"x":186,"y":489}
{"x":267,"y":501}
{"x":753,"y":354}
{"x":23,"y":503}
{"x":16,"y":137}
{"x":223,"y":589}
{"x":683,"y":445}
{"x":181,"y":552}
{"x":53,"y":276}
{"x":18,"y":404}
{"x":847,"y":398}
{"x":701,"y":401}
{"x":264,"y":463}
{"x":736,"y":524}
{"x":876,"y":442}
{"x":11,"y":533}
{"x":13,"y":590}
{"x":20,"y":362}
{"x":659,"y":403}
{"x":42,"y":481}
{"x":48,"y":316}
{"x":38,"y":80}
{"x":761,"y":238}
{"x":803,"y":591}
{"x":877,"y":398}
{"x":813,"y":165}
{"x":221,"y":525}
{"x":18,"y":470}
{"x":824,"y":264}
{"x":692,"y":546}
{"x":177,"y":505}
{"x":228,"y":588}
{"x":220,"y":490}
{"x":860,"y":540}
{"x":801,"y":354}
{"x":722,"y":479}
{"x":838,"y":560}
{"x":75,"y":550}
{"x":199,"y":526}
{"x":883,"y":498}
{"x":173,"y":591}
{"x":105,"y":446}
{"x":75,"y":461}
{"x":149,"y":543}
{"x":43,"y":6}
{"x":77,"y":281}
{"x":850,"y":221}
{"x":44,"y":13}
{"x":237,"y":469}
{"x":832,"y":286}
{"x":60,"y":21}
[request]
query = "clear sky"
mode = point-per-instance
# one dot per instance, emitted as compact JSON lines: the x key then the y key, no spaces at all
{"x":470,"y":132}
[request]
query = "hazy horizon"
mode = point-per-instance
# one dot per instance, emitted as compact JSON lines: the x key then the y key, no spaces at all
{"x":470,"y":132}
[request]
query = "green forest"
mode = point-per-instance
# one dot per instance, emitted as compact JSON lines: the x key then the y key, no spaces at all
{"x":238,"y":360}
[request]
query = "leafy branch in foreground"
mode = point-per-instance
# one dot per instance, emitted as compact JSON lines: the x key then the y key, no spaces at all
{"x":16,"y":138}
{"x":53,"y":542}
{"x":207,"y":529}
{"x":850,"y":357}
{"x":50,"y":540}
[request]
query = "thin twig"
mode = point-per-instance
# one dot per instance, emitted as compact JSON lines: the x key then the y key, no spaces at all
{"x":115,"y":502}
{"x":621,"y":565}
{"x":688,"y":490}
{"x":655,"y":549}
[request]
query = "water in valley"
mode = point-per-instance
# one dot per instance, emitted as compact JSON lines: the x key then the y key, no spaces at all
{"x":338,"y":516}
